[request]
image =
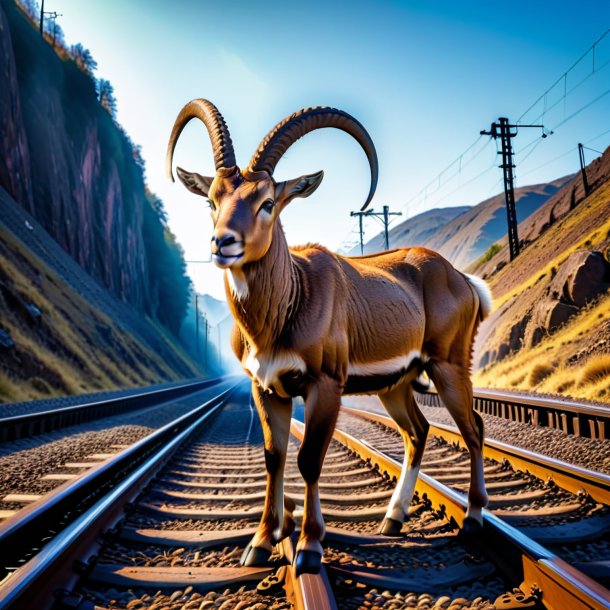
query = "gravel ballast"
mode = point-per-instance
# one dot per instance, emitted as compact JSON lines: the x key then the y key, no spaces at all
{"x":24,"y":462}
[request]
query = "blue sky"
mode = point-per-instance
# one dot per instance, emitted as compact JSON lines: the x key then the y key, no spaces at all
{"x":424,"y":77}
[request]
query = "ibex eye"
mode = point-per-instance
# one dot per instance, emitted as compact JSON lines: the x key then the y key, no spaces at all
{"x":211,"y":204}
{"x":267,"y":206}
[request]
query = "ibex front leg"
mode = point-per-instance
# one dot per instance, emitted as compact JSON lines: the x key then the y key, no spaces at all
{"x":321,"y":410}
{"x":274,"y":413}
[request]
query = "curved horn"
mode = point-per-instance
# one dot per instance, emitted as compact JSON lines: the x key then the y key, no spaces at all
{"x":217,"y":128}
{"x":288,"y":131}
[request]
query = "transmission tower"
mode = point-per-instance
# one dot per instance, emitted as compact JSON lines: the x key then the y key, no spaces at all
{"x":505,"y":131}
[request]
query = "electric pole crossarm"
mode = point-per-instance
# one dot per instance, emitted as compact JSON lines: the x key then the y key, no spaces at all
{"x":385,"y":219}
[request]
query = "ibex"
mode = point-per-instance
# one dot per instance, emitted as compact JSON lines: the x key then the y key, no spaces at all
{"x":311,"y":323}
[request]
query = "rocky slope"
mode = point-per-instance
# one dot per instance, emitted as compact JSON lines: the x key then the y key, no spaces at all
{"x":67,"y":163}
{"x":555,"y":208}
{"x":550,"y":326}
{"x":61,"y":331}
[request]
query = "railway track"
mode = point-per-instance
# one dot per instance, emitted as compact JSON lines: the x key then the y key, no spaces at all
{"x":170,"y":535}
{"x":564,"y":507}
{"x":40,"y":422}
{"x":569,"y":416}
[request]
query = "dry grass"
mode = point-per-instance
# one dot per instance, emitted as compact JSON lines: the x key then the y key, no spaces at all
{"x":560,"y":363}
{"x":539,"y":373}
{"x":596,"y":370}
{"x":68,"y":357}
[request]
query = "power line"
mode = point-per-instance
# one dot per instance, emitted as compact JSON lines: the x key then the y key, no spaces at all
{"x":564,"y":76}
{"x":383,"y":216}
{"x":458,"y":161}
{"x":566,"y":153}
{"x":464,"y":184}
{"x":581,"y":109}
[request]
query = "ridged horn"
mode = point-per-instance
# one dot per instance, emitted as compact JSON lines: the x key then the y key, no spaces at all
{"x":205,"y":111}
{"x":295,"y":126}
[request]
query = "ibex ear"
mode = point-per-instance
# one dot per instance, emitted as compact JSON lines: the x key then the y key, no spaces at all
{"x":200,"y":185}
{"x":299,"y":187}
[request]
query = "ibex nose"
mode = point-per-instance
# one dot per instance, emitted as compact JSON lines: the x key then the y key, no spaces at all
{"x":227,"y":245}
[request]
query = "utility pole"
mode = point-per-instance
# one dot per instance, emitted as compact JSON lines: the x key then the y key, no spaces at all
{"x":197,"y":322}
{"x":386,"y":222}
{"x":206,"y":342}
{"x":583,"y":170}
{"x":385,"y":219}
{"x":360,"y":215}
{"x":504,"y":130}
{"x":41,"y":17}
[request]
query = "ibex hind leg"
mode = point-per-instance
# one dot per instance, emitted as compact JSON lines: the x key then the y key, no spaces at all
{"x":402,"y":408}
{"x":454,"y":388}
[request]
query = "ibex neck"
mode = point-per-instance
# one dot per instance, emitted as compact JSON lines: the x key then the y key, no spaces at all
{"x":272,"y":294}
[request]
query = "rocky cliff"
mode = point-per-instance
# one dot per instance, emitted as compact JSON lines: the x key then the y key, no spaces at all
{"x":67,"y":163}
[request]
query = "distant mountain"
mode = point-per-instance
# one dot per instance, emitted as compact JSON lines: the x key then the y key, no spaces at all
{"x":462,"y":234}
{"x":470,"y":235}
{"x":415,"y":231}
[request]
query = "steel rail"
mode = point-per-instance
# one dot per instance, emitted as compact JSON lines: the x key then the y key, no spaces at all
{"x":34,"y":522}
{"x":311,"y":591}
{"x":524,"y":559}
{"x":570,"y":416}
{"x":567,"y":476}
{"x":33,"y":424}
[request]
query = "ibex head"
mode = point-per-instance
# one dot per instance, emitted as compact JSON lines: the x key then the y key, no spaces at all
{"x":246,"y":203}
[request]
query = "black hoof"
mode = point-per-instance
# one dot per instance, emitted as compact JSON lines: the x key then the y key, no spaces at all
{"x":471,"y":527}
{"x":307,"y":562}
{"x":255,"y":556}
{"x":390,"y":527}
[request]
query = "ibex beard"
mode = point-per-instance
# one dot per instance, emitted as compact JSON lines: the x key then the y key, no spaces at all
{"x":312,"y":323}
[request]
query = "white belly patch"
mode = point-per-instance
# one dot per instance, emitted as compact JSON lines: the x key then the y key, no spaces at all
{"x":266,"y":368}
{"x":382,"y":367}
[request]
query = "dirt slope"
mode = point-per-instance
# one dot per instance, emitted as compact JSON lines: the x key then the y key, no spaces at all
{"x":550,"y":326}
{"x":62,"y":332}
{"x":470,"y":235}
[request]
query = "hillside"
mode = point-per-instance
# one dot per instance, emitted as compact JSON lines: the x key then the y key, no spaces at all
{"x":557,"y":206}
{"x":551,"y":321}
{"x":61,"y":332}
{"x":471,"y":234}
{"x":93,"y":290}
{"x":412,"y":232}
{"x":66,"y":161}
